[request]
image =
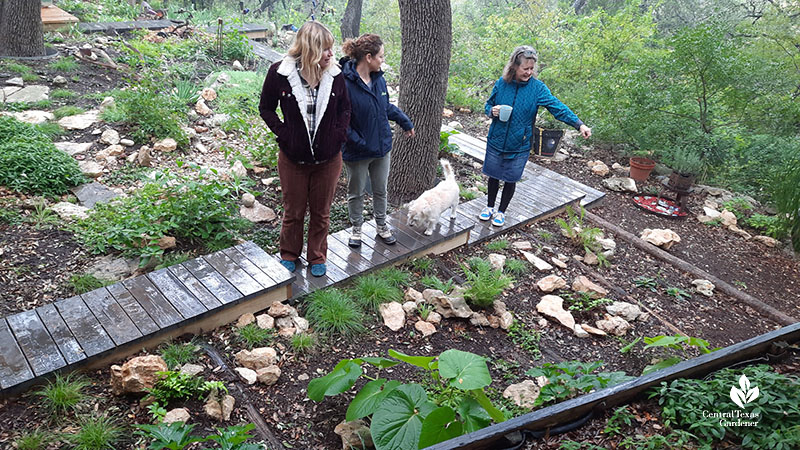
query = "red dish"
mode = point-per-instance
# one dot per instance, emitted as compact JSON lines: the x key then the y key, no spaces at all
{"x":661,"y":206}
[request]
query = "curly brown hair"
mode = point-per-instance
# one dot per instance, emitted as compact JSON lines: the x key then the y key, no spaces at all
{"x":366,"y":44}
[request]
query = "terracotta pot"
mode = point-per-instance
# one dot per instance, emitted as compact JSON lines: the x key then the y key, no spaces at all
{"x":641,"y":168}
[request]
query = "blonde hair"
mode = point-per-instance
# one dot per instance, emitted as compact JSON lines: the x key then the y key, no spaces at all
{"x":312,"y":39}
{"x":520,"y":53}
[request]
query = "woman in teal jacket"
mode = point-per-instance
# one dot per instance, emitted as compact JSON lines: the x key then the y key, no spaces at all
{"x":509,"y":142}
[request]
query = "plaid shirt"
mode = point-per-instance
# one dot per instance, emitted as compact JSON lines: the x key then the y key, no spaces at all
{"x":310,"y":114}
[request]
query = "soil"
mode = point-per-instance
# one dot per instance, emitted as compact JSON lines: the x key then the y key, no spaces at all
{"x":37,"y":262}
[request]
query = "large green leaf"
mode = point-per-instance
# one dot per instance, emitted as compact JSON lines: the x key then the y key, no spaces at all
{"x":369,"y":397}
{"x":439,"y":426}
{"x":419,"y":361}
{"x":473,"y":415}
{"x":669,"y":362}
{"x":380,"y":363}
{"x":465,"y":370}
{"x":341,"y":378}
{"x":396,"y":425}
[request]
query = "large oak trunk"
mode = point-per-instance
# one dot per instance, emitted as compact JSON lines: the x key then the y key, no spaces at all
{"x":426,"y":39}
{"x":21,"y":28}
{"x":351,"y":20}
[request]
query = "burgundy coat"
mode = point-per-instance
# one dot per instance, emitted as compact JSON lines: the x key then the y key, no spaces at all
{"x":283,"y":86}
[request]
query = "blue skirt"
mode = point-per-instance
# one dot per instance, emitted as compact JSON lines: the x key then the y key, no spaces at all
{"x":506,"y":167}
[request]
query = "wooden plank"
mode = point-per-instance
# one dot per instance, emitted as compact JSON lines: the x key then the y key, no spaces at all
{"x":63,"y":338}
{"x":84,"y":326}
{"x":111,"y":316}
{"x":369,"y":236}
{"x":374,"y":258}
{"x":176,"y":293}
{"x":355,"y":263}
{"x":249,"y":267}
{"x":135,"y":311}
{"x":233,"y":273}
{"x":35,"y":342}
{"x":157,"y":307}
{"x":194,"y":286}
{"x":212,"y":280}
{"x":14,"y":369}
{"x":266,"y":262}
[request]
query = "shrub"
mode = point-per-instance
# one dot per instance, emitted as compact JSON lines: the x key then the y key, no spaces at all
{"x":193,"y":206}
{"x":333,"y":311}
{"x":180,"y":386}
{"x":30,"y":163}
{"x":96,"y":432}
{"x":423,"y":264}
{"x":303,"y":343}
{"x":34,"y":440}
{"x":769,"y":225}
{"x":371,"y":291}
{"x":251,"y":335}
{"x":185,"y":92}
{"x":177,"y":354}
{"x":152,"y":113}
{"x":484,"y":284}
{"x":85,"y":282}
{"x":63,"y":394}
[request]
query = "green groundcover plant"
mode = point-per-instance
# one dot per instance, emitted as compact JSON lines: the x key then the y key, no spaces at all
{"x":406,"y":415}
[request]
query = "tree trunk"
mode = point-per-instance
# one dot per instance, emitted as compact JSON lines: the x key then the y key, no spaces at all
{"x":426,"y":40}
{"x":21,"y":31}
{"x":351,"y":20}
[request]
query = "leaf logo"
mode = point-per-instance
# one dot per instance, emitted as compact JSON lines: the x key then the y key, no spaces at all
{"x":744,"y":395}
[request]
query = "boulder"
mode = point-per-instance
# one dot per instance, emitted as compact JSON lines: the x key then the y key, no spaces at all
{"x":664,"y":238}
{"x":523,"y":394}
{"x":704,"y":287}
{"x":136,"y":375}
{"x":90,"y":194}
{"x":268,"y":375}
{"x":550,"y":283}
{"x":497,"y":261}
{"x":552,"y":306}
{"x":247,"y":375}
{"x":627,"y":311}
{"x":257,"y":358}
{"x":426,"y":328}
{"x":614,"y":325}
{"x":393,"y":315}
{"x":583,"y":284}
{"x":355,"y":435}
{"x":220,"y":410}
{"x":176,"y":415}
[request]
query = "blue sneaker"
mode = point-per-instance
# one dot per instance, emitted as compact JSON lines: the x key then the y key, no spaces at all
{"x":499,"y":219}
{"x":318,"y":270}
{"x":486,"y":214}
{"x":290,"y":265}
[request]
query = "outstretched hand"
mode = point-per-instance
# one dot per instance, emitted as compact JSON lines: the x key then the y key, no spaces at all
{"x":585,"y":131}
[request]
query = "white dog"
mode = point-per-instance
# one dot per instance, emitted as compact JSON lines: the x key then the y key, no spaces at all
{"x":427,"y":208}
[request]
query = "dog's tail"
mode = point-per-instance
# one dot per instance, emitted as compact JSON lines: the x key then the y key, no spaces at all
{"x":447,"y":169}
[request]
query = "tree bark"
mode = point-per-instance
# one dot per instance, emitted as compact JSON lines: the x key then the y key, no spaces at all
{"x":426,"y":28}
{"x":351,"y":20}
{"x":21,"y":32}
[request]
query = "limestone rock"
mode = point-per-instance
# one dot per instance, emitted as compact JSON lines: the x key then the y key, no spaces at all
{"x":558,"y":263}
{"x":257,"y":213}
{"x":434,"y":318}
{"x":598,"y":168}
{"x":265,"y":322}
{"x":268,"y":375}
{"x":426,"y":328}
{"x":497,"y":261}
{"x":580,"y":332}
{"x":126,"y":142}
{"x":238,"y":169}
{"x":711,"y":212}
{"x":479,"y":320}
{"x":614,"y":325}
{"x":766,"y":240}
{"x":245,"y":320}
{"x":70,"y":211}
{"x":177,"y":415}
{"x":110,"y":137}
{"x":202,"y":108}
{"x":248,"y":200}
{"x":537,"y":262}
{"x":258,"y":358}
{"x":108,"y":103}
{"x":393,"y":315}
{"x":627,"y":311}
{"x":165,"y":145}
{"x":192,"y":369}
{"x":552,"y":306}
{"x":550,"y":283}
{"x":278,"y":309}
{"x":583,"y":284}
{"x":413,"y":295}
{"x":523,"y":394}
{"x":664,"y":238}
{"x":247,"y":375}
{"x":499,"y":307}
{"x":740,"y":232}
{"x":166,"y":242}
{"x":208,"y":94}
{"x":522,"y":245}
{"x":31,"y":116}
{"x":111,"y":268}
{"x":217,"y":120}
{"x":73,"y":148}
{"x":591,"y":259}
{"x":220,"y":410}
{"x":409,"y":307}
{"x":284,"y":322}
{"x":448,"y":306}
{"x":355,"y":435}
{"x":287,"y":332}
{"x":620,"y":184}
{"x":300,"y":324}
{"x":704,"y":287}
{"x":727,"y":218}
{"x":592,"y":330}
{"x":143,"y":157}
{"x":80,"y":121}
{"x":90,"y":168}
{"x":506,"y":320}
{"x":28,"y":94}
{"x":136,"y":375}
{"x":16,"y":81}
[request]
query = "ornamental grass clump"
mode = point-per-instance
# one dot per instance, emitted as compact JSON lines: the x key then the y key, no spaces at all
{"x":371,"y":291}
{"x":484,"y":283}
{"x":31,"y":164}
{"x":332,"y":311}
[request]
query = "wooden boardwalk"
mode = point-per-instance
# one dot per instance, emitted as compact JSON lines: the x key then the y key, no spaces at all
{"x":196,"y":296}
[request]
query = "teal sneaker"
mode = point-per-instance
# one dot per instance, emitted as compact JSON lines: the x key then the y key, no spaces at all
{"x":290,"y":265}
{"x":318,"y":270}
{"x":499,"y":219}
{"x":486,"y":214}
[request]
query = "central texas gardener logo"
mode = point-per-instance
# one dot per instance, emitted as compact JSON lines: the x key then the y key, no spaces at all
{"x":744,"y":395}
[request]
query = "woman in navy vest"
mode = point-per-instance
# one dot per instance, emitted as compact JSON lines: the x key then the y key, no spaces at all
{"x":369,"y":138}
{"x":512,"y":106}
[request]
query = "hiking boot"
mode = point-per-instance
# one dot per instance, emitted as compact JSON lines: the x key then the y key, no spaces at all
{"x":486,"y":214}
{"x":355,"y":238}
{"x":499,"y":219}
{"x":386,"y":234}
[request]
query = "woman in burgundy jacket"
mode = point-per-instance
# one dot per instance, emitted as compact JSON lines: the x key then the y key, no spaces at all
{"x":310,"y":89}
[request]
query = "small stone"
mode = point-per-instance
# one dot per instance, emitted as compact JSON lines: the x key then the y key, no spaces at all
{"x":192,"y":369}
{"x":479,"y":320}
{"x":592,"y":330}
{"x":409,"y":307}
{"x":245,"y":320}
{"x":79,"y":121}
{"x":393,"y":315}
{"x":257,"y":212}
{"x":627,"y":311}
{"x":165,"y":145}
{"x":257,"y":358}
{"x":268,"y":375}
{"x":522,"y":245}
{"x":766,"y":240}
{"x":523,"y":394}
{"x":497,"y":261}
{"x":539,"y":263}
{"x":447,"y":113}
{"x":301,"y":325}
{"x":552,"y":306}
{"x":284,"y":322}
{"x":278,"y":309}
{"x":247,"y":375}
{"x":110,"y":137}
{"x":434,"y":318}
{"x":267,"y":181}
{"x":558,"y":263}
{"x":70,"y":211}
{"x":303,"y":377}
{"x":583,"y":284}
{"x":704,"y":287}
{"x":238,"y":169}
{"x":248,"y":200}
{"x":506,"y":320}
{"x":166,"y":242}
{"x":90,"y":168}
{"x":176,"y":415}
{"x":664,"y":238}
{"x":237,"y":65}
{"x":208,"y":95}
{"x":265,"y":322}
{"x":107,"y":103}
{"x":413,"y":295}
{"x":143,"y":157}
{"x":287,"y":332}
{"x":220,"y":410}
{"x":580,"y":332}
{"x":727,"y":218}
{"x":16,"y":81}
{"x":136,"y":375}
{"x":355,"y":435}
{"x":551,"y":283}
{"x":426,"y":328}
{"x":599,"y":168}
{"x":614,"y":325}
{"x":202,"y":108}
{"x":620,"y":184}
{"x":126,"y":142}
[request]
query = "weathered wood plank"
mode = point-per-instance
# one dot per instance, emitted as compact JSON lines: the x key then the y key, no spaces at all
{"x":111,"y":316}
{"x":176,"y":293}
{"x":135,"y":311}
{"x":84,"y":326}
{"x":14,"y":369}
{"x":35,"y":342}
{"x":355,"y":262}
{"x":157,"y":307}
{"x":269,"y":264}
{"x":195,"y":287}
{"x":374,"y":258}
{"x":369,"y":235}
{"x":233,"y":273}
{"x":66,"y":342}
{"x":248,"y":266}
{"x":212,"y":280}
